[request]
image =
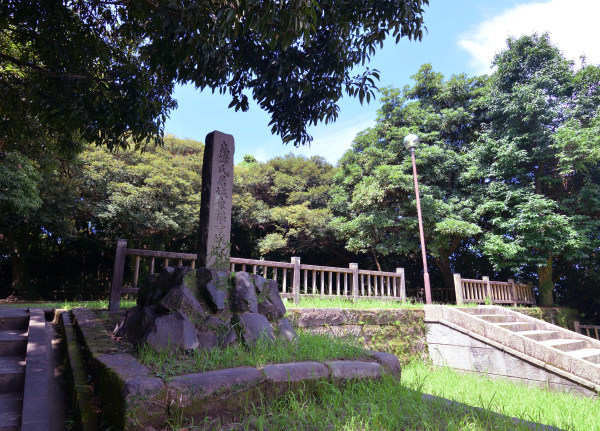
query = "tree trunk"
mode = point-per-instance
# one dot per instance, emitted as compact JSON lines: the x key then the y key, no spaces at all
{"x":443,"y":264}
{"x":17,"y":265}
{"x":376,"y":261}
{"x":545,"y":283}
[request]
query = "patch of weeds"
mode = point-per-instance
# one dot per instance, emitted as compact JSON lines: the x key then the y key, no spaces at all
{"x":306,"y":347}
{"x":348,"y":303}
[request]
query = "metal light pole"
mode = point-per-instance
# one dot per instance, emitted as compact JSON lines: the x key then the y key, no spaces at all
{"x":410,"y":143}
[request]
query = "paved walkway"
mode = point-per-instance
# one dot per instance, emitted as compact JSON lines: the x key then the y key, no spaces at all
{"x":31,"y":390}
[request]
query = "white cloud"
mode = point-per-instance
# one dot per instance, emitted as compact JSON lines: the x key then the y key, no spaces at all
{"x":332,"y":141}
{"x":572,"y":25}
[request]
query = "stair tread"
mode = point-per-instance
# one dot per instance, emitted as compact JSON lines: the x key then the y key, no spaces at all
{"x":12,"y":364}
{"x":513,"y":323}
{"x":13,"y":334}
{"x":560,"y":341}
{"x":10,"y":409}
{"x":584,"y":353}
{"x":537,"y":331}
{"x":9,"y":312}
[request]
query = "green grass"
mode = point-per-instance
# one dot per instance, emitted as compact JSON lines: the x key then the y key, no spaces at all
{"x":68,"y":305}
{"x":345,"y":303}
{"x":389,"y":404}
{"x":306,"y":347}
{"x":559,"y":409}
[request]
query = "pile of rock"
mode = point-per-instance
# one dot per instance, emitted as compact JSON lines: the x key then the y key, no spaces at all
{"x":186,"y":308}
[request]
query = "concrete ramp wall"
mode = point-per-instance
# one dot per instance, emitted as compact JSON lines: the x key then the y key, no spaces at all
{"x":498,"y":342}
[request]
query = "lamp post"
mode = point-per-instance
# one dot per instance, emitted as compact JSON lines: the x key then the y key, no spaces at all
{"x":410,"y":143}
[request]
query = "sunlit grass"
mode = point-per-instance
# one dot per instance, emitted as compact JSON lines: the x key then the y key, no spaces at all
{"x":390,"y":404}
{"x":541,"y":405}
{"x":69,"y":305}
{"x":346,"y":303}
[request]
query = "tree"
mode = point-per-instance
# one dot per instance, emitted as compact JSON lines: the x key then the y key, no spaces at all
{"x":280,"y":208}
{"x":68,"y":72}
{"x":535,"y":159}
{"x":105,"y":70}
{"x":151,"y":198}
{"x":374,"y":192}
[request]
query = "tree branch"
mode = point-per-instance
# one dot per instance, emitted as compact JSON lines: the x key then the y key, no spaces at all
{"x":26,"y":64}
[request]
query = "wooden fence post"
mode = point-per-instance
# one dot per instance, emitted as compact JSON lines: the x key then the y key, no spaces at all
{"x":576,"y":326}
{"x":402,"y":284}
{"x":296,"y":279}
{"x":488,"y":288}
{"x":354,"y":268}
{"x":458,"y":289}
{"x":513,"y":291}
{"x":117,"y":282}
{"x":532,"y":293}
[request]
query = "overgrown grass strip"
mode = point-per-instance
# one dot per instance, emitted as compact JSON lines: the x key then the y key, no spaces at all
{"x":306,"y":347}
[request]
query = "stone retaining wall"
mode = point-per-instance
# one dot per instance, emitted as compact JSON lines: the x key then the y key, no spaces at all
{"x":133,"y":398}
{"x":401,"y":332}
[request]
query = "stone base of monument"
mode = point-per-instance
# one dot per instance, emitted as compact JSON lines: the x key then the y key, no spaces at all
{"x":185,"y":308}
{"x":131,"y":397}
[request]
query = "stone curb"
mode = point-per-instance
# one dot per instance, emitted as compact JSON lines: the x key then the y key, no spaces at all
{"x":136,"y":399}
{"x":35,"y":393}
{"x":82,"y":397}
{"x":129,"y":393}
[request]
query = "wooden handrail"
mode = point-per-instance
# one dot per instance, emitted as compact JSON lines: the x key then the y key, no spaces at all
{"x":322,"y":281}
{"x":495,"y":292}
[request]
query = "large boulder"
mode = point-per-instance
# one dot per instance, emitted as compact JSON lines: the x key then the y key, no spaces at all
{"x":270,"y":304}
{"x":213,"y":286}
{"x":254,"y":326}
{"x":136,"y":322}
{"x":214,"y":332}
{"x":180,"y":298}
{"x":285,"y":330}
{"x":242,"y":296}
{"x":173,"y":331}
{"x":155,"y":287}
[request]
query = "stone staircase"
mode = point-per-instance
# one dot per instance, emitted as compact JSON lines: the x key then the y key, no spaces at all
{"x":23,"y":370}
{"x":565,"y":354}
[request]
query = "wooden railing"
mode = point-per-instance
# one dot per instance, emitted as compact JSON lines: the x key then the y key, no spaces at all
{"x":592,"y":331}
{"x":295,"y":279}
{"x":494,"y":292}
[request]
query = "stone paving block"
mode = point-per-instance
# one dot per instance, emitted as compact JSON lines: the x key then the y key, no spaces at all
{"x":185,"y":388}
{"x":389,"y":362}
{"x":354,"y":369}
{"x":295,"y":372}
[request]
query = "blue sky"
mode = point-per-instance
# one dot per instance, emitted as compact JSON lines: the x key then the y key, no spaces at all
{"x":462,"y":37}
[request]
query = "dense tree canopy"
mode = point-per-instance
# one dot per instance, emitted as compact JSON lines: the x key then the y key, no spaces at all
{"x":535,"y":159}
{"x":374,"y":194}
{"x":104,"y":71}
{"x":280,"y":208}
{"x":509,"y":172}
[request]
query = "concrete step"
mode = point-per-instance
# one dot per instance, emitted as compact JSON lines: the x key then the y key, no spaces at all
{"x":518,"y":326}
{"x":13,"y":342}
{"x":14,"y":319}
{"x":564,"y":344}
{"x":12,"y":373}
{"x":497,"y":318}
{"x":477,"y":310}
{"x":10,"y":411}
{"x":591,"y":355}
{"x":540,"y":334}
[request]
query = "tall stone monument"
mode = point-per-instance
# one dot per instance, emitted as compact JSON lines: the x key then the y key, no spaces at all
{"x":214,"y":242}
